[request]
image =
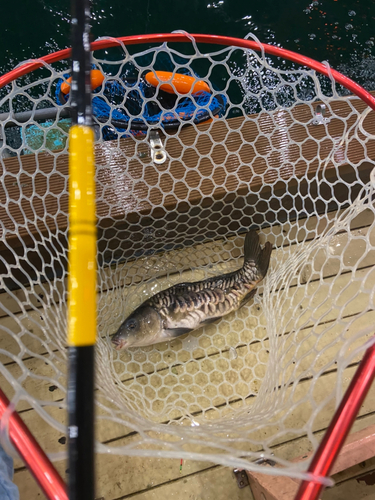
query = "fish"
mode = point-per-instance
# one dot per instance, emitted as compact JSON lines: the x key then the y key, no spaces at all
{"x":185,"y":307}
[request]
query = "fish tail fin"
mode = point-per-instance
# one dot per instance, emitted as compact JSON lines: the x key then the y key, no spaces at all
{"x":253,"y":252}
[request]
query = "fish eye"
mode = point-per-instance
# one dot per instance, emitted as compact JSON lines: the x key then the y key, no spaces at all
{"x":131,"y":324}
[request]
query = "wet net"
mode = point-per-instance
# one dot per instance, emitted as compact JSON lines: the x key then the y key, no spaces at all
{"x":181,"y":177}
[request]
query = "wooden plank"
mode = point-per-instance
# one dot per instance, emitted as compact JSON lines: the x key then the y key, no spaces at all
{"x":108,"y":430}
{"x":196,"y":199}
{"x":287,"y":451}
{"x":40,"y":388}
{"x":205,"y":254}
{"x":363,"y":467}
{"x":295,"y":448}
{"x":254,"y":138}
{"x":215,"y":484}
{"x":37,"y":323}
{"x":354,"y":488}
{"x":244,"y":329}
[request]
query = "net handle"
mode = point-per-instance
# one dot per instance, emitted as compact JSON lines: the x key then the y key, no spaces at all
{"x":32,"y":454}
{"x":355,"y":88}
{"x":340,"y":426}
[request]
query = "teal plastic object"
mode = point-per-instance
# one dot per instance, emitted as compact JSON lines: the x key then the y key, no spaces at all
{"x":46,"y":136}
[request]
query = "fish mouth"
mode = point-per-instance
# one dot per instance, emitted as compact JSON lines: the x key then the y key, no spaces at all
{"x":119,"y":344}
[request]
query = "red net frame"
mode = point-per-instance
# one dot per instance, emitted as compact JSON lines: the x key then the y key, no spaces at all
{"x":34,"y":457}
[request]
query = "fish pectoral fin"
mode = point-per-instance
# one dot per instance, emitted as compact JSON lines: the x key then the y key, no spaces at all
{"x":209,"y":320}
{"x":247,"y":298}
{"x":176,"y":332}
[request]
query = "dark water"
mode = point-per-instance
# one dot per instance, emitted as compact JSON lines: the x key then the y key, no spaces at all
{"x":340,"y":32}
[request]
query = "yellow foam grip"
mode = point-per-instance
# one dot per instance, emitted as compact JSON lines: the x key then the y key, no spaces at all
{"x":82,"y":238}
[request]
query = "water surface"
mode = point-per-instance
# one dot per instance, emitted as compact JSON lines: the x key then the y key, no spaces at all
{"x":340,"y":32}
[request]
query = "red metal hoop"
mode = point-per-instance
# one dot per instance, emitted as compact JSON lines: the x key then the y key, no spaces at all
{"x":211,"y":39}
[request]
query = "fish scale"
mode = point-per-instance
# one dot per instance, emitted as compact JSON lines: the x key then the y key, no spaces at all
{"x":187,"y":306}
{"x":230,"y":287}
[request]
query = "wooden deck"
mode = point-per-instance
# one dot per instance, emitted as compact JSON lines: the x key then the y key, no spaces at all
{"x":120,"y":477}
{"x":262,"y":152}
{"x":284,"y":137}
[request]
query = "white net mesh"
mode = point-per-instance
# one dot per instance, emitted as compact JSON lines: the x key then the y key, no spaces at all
{"x":268,"y":159}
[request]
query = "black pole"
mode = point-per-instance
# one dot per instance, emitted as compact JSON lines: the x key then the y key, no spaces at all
{"x":81,"y":63}
{"x":81,"y":482}
{"x":81,"y":356}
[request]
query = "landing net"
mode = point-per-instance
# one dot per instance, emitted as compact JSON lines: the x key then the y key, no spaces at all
{"x":180,"y":179}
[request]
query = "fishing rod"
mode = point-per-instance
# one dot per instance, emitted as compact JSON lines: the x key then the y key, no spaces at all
{"x":82,"y":265}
